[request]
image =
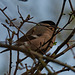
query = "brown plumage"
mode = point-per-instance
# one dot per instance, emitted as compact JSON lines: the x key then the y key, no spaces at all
{"x":37,"y":36}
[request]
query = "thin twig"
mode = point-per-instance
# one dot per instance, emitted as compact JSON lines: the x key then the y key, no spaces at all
{"x":65,"y":42}
{"x":16,"y":48}
{"x":63,"y":6}
{"x":64,"y":51}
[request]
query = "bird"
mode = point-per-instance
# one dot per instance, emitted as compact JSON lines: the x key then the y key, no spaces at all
{"x":37,"y":36}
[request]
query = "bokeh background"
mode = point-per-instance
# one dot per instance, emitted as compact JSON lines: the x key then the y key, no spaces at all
{"x":40,"y":10}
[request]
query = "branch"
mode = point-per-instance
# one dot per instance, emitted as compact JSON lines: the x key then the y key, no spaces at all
{"x":67,"y":40}
{"x":61,"y":12}
{"x":64,"y":51}
{"x":27,"y":52}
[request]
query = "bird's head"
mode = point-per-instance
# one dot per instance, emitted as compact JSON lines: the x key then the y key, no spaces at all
{"x":47,"y":23}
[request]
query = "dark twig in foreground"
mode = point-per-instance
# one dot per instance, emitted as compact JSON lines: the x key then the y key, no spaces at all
{"x":65,"y":42}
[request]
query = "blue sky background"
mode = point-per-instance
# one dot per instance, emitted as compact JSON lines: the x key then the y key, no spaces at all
{"x":40,"y":10}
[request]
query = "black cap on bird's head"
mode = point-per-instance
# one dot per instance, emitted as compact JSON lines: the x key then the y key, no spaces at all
{"x":51,"y":23}
{"x":48,"y":22}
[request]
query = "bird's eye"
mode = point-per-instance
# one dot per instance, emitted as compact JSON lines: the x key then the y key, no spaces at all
{"x":51,"y":29}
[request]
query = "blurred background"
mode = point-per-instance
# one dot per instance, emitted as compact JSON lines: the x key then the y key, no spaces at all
{"x":40,"y":10}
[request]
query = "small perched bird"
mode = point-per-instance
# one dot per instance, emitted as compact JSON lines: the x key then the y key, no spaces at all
{"x":37,"y":36}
